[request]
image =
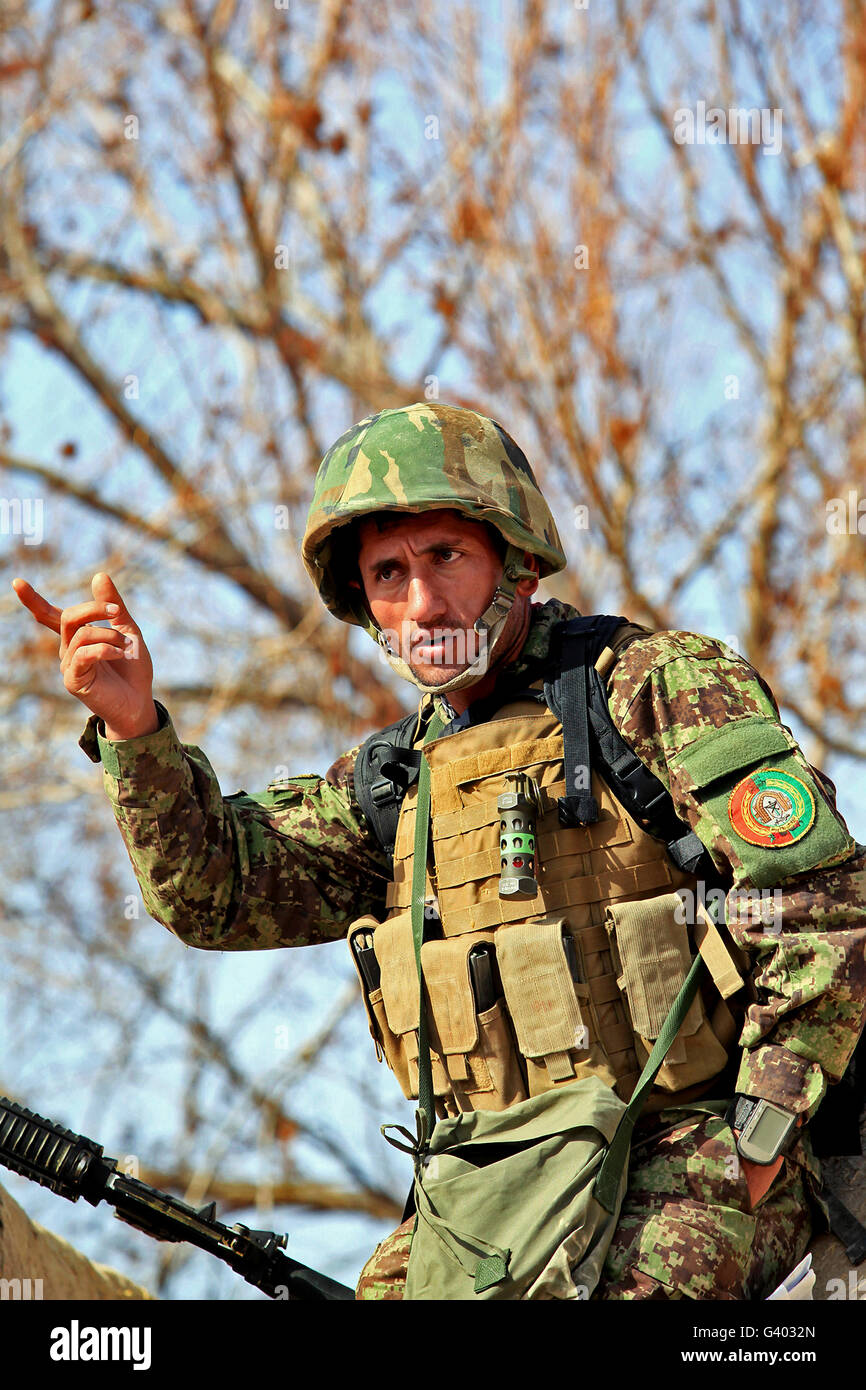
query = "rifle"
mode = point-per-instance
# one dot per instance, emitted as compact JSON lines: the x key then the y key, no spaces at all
{"x":74,"y":1167}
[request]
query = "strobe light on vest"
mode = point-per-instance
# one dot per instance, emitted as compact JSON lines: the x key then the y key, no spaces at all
{"x":518,"y":809}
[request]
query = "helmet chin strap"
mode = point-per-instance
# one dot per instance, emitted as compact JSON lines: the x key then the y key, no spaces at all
{"x":489,"y":629}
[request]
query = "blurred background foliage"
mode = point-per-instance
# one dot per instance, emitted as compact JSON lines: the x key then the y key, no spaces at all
{"x":229,"y":229}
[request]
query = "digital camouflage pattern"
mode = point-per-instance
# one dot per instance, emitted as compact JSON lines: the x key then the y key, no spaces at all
{"x":296,"y":864}
{"x":417,"y":458}
{"x":383,"y":1277}
{"x":686,"y":1227}
{"x":288,"y":867}
{"x":667,"y":692}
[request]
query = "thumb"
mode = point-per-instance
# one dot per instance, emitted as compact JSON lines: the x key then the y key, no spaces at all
{"x":105,"y":590}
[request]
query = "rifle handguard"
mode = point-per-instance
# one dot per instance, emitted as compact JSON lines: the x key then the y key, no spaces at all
{"x":67,"y":1163}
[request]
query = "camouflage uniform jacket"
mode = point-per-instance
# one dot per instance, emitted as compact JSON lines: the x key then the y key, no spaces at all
{"x":297,"y":863}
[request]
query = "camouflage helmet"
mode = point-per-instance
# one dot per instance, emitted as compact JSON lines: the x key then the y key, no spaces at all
{"x":413,"y":459}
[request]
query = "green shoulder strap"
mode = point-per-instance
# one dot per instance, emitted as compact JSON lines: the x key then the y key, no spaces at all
{"x":607,"y":1183}
{"x":426,"y":1102}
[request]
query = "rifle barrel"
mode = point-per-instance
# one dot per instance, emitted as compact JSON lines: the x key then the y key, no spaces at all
{"x":73,"y":1166}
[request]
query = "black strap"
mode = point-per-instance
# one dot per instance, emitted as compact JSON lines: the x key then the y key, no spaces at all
{"x":845,"y":1225}
{"x":385,"y":768}
{"x":581,"y":641}
{"x":631,"y":781}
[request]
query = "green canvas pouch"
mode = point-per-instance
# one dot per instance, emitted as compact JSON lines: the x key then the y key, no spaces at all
{"x":523,"y":1203}
{"x":505,"y":1199}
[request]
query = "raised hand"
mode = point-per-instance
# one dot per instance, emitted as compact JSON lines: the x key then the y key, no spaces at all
{"x":108,"y":669}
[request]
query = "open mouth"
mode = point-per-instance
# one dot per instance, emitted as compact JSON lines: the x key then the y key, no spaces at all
{"x":440,"y":651}
{"x":452,"y":648}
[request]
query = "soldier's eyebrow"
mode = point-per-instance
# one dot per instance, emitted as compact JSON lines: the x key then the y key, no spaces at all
{"x":443,"y":543}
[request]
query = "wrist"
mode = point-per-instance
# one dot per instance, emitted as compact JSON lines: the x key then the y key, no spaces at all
{"x":148,"y":723}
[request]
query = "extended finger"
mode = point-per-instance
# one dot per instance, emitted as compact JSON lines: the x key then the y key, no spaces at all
{"x":104,"y":587}
{"x":44,"y":612}
{"x":105,"y":590}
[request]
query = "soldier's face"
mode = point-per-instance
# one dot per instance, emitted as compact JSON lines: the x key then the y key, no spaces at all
{"x":427,"y":578}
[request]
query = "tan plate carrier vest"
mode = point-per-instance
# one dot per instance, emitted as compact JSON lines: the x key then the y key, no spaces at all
{"x":610,"y":885}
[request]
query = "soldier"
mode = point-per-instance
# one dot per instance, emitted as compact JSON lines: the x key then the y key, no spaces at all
{"x":427,"y":528}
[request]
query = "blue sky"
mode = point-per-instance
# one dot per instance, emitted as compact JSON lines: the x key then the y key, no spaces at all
{"x":45,"y":406}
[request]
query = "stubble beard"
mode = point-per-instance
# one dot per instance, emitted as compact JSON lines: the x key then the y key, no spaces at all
{"x":468,"y":640}
{"x":509,"y":644}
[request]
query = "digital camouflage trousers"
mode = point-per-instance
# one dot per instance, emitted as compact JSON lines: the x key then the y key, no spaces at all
{"x":686,"y":1229}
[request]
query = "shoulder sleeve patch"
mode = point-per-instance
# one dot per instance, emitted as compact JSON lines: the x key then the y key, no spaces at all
{"x":777,"y":811}
{"x":771,"y":808}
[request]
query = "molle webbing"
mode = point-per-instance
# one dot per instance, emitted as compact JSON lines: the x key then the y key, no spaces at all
{"x":613,"y":862}
{"x":578,"y":878}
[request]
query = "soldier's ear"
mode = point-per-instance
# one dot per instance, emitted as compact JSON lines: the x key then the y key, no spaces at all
{"x":527,"y":587}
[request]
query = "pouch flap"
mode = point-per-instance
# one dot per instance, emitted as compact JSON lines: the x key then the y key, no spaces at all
{"x":711,"y":945}
{"x":736,"y":745}
{"x":362,"y":926}
{"x":445,"y":966}
{"x":653,"y":949}
{"x":540,"y":993}
{"x":361,"y":932}
{"x":586,"y":1104}
{"x":395,"y":952}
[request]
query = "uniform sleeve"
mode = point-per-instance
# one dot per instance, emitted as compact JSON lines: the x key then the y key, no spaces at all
{"x":290,"y":866}
{"x":703,"y":720}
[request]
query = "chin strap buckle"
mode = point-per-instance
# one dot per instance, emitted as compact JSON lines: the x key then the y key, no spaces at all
{"x":513,"y":570}
{"x":498,"y":608}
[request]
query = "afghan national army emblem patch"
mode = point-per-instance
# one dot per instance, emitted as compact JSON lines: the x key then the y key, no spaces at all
{"x":771,"y":808}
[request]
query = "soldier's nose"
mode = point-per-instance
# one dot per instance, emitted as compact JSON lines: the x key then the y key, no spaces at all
{"x":423,"y":604}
